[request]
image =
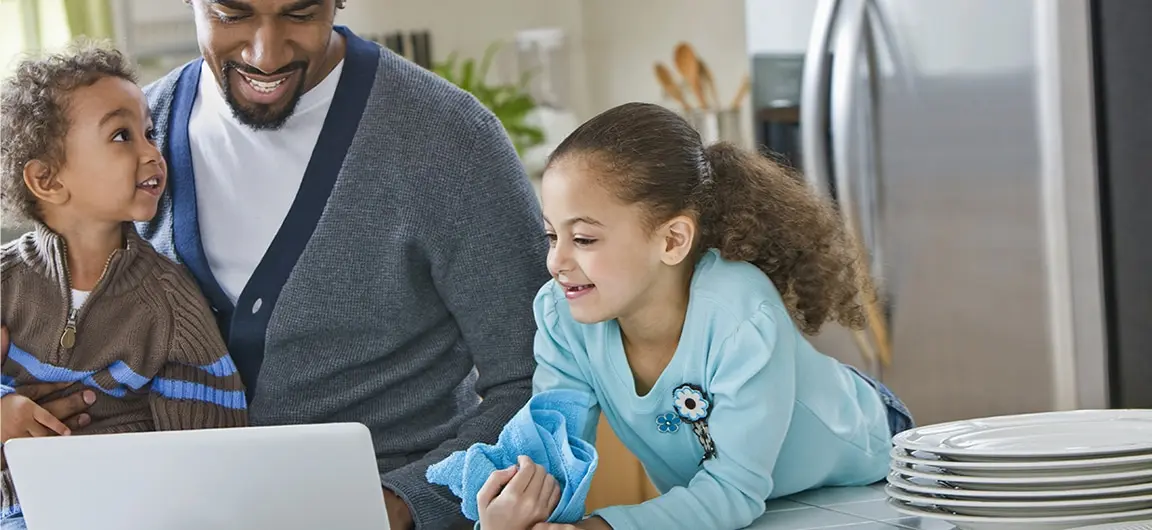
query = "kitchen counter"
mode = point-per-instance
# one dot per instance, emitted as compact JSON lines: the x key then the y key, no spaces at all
{"x":863,"y":508}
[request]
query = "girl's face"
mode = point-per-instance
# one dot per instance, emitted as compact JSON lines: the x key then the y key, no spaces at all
{"x":600,"y":249}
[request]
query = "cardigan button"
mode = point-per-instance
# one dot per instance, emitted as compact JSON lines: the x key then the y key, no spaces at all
{"x":256,"y":306}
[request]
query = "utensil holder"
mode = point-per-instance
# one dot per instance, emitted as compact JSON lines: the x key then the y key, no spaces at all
{"x":717,"y":125}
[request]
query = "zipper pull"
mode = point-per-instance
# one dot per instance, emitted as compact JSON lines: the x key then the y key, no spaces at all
{"x":68,"y":339}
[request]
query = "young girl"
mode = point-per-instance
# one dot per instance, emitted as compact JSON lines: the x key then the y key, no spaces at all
{"x":684,"y":279}
{"x":90,"y":307}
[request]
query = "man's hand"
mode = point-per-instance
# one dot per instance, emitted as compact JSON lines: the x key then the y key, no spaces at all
{"x":23,"y":418}
{"x":66,"y":409}
{"x":518,"y":497}
{"x":399,"y":516}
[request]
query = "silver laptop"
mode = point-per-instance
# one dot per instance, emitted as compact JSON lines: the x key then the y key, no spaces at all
{"x":305,"y":477}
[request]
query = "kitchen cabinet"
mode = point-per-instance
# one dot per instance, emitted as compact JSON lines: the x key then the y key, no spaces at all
{"x":619,"y":478}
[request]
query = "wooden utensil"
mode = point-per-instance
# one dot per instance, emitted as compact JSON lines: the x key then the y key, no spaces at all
{"x":861,"y":340}
{"x":709,"y":85}
{"x":664,"y":76}
{"x":879,"y":325}
{"x":741,"y":92}
{"x":877,"y":322}
{"x":689,"y":67}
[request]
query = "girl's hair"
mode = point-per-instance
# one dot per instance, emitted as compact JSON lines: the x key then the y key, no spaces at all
{"x":748,"y":207}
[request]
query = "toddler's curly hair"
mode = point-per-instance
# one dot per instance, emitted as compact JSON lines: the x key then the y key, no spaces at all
{"x":34,"y":114}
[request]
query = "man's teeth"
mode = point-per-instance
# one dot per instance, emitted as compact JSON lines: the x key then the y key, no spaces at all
{"x":262,"y":86}
{"x":150,"y":183}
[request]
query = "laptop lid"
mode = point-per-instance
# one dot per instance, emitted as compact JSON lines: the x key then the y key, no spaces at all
{"x":283,"y":477}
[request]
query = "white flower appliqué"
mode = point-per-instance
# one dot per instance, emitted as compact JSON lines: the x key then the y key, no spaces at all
{"x":693,"y":406}
{"x":690,"y":403}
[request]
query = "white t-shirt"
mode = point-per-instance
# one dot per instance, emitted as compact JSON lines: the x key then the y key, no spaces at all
{"x":246,"y":179}
{"x":78,"y":298}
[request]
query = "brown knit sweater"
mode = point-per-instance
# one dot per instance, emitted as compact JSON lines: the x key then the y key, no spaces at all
{"x":145,"y":340}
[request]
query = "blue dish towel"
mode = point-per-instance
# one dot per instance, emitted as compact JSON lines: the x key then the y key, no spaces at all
{"x":547,"y":430}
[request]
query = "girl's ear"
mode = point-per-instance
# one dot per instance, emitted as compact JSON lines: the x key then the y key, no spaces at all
{"x":42,"y":182}
{"x":678,"y":234}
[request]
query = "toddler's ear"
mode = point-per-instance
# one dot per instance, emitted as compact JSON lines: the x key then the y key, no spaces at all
{"x":41,"y":180}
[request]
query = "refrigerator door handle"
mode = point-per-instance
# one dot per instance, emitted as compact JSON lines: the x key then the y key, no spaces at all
{"x":814,"y":98}
{"x":846,"y":106}
{"x":872,"y":203}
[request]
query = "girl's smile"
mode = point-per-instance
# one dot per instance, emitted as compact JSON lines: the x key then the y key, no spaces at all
{"x":575,"y":291}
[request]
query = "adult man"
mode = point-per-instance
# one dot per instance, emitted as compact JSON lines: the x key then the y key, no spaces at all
{"x":364,"y":231}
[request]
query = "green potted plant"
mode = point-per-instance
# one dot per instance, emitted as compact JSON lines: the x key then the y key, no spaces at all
{"x":511,"y":103}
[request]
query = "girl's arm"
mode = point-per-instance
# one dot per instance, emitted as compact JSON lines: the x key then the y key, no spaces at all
{"x":558,"y":365}
{"x":752,"y":391}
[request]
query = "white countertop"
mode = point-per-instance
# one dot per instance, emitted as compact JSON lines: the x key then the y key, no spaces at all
{"x":863,"y":508}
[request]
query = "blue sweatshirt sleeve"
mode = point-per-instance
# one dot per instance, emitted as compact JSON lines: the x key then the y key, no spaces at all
{"x":557,"y":364}
{"x":753,"y":393}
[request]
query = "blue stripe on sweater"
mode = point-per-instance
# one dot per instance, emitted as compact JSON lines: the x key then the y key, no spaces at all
{"x":222,"y":368}
{"x":175,"y":389}
{"x":124,"y":375}
{"x":7,"y":380}
{"x":168,"y":388}
{"x":56,"y":374}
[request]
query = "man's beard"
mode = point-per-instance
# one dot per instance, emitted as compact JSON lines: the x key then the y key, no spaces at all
{"x":256,"y":115}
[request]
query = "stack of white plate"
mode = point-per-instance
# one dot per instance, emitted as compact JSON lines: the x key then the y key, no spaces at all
{"x":1049,"y":471}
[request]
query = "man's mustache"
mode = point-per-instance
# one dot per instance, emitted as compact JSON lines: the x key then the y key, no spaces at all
{"x":248,"y":69}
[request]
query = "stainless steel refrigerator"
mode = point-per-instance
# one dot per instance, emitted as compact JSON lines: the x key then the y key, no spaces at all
{"x":956,"y":137}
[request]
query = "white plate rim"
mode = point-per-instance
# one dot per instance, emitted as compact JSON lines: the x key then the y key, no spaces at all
{"x":901,"y":507}
{"x":902,"y":455}
{"x":1144,"y":524}
{"x":903,"y":439}
{"x":907,"y":485}
{"x":1042,"y":480}
{"x":895,"y":492}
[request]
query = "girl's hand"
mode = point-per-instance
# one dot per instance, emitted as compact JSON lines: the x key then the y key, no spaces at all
{"x":518,"y":497}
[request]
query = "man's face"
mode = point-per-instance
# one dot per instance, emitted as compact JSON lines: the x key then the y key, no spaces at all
{"x":266,"y":53}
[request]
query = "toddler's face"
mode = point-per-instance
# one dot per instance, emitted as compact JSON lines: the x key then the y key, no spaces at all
{"x":600,"y":250}
{"x":112,"y":170}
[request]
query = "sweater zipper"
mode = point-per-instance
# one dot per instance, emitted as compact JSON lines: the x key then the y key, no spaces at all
{"x":68,"y":338}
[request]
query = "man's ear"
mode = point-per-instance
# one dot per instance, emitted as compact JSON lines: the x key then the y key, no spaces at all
{"x":677,"y":234}
{"x":42,"y":182}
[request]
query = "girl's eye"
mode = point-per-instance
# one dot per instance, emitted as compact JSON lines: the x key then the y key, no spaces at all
{"x":583,"y":241}
{"x":120,"y":136}
{"x":551,"y":239}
